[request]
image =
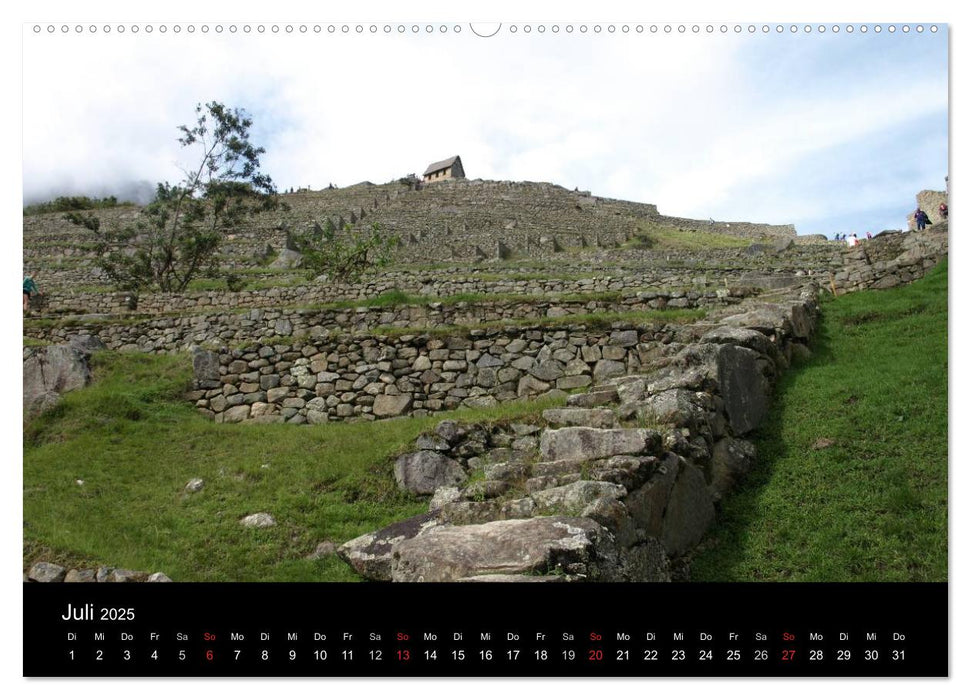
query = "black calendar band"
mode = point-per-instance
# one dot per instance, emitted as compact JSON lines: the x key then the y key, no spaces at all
{"x":475,"y":629}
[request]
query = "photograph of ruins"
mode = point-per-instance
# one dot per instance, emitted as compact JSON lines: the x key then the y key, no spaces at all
{"x":519,"y":328}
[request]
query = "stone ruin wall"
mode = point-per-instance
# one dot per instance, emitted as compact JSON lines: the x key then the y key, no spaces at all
{"x":179,"y":333}
{"x":890,"y":259}
{"x":373,"y":378}
{"x":439,"y":286}
{"x":607,"y":271}
{"x":740,"y":229}
{"x":324,"y":377}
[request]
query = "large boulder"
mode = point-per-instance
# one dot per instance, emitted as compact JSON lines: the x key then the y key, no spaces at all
{"x":745,"y":337}
{"x":425,"y":471}
{"x":677,"y":407}
{"x":769,"y":319}
{"x":740,"y":376}
{"x":575,"y":546}
{"x":743,"y":386}
{"x":50,"y":372}
{"x":370,"y":554}
{"x":648,"y":503}
{"x":689,"y":511}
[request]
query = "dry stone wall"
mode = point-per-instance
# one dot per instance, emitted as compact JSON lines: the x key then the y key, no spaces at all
{"x":383,"y":377}
{"x":438,"y":285}
{"x":741,"y":229}
{"x":178,"y":333}
{"x":891,"y":259}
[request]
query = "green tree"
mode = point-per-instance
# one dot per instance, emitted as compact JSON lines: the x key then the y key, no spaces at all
{"x":344,"y":257}
{"x":175,"y":238}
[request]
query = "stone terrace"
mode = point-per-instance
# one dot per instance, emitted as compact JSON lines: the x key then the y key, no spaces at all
{"x":461,"y":220}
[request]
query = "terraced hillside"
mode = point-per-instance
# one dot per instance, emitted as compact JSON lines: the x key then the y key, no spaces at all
{"x":461,"y":220}
{"x":554,"y":361}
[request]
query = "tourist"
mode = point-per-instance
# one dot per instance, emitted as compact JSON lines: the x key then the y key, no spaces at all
{"x":852,"y":241}
{"x":920,"y":218}
{"x":942,"y":210}
{"x":869,"y":235}
{"x":30,"y":288}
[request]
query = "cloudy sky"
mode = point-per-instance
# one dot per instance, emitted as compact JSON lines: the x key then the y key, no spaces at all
{"x":831,"y":132}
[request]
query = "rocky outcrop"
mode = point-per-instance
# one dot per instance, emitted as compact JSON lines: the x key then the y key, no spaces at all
{"x":54,"y":370}
{"x":370,"y":554}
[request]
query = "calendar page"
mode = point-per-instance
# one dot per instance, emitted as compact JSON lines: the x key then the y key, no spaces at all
{"x":417,"y":347}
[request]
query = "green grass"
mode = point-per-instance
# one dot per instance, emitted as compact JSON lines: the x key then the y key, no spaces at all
{"x":593,"y":321}
{"x":654,"y":236}
{"x":250,"y":282}
{"x":35,"y":342}
{"x":135,"y":442}
{"x":73,"y":203}
{"x":396,"y":298}
{"x":873,"y":507}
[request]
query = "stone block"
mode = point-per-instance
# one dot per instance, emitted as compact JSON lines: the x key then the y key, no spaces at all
{"x":424,"y":471}
{"x":592,"y":443}
{"x":386,"y":406}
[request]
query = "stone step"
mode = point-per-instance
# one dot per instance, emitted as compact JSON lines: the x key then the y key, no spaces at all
{"x":583,"y":417}
{"x":541,"y":483}
{"x":478,"y":512}
{"x":594,"y":397}
{"x":592,"y":443}
{"x":556,"y":468}
{"x":574,"y":497}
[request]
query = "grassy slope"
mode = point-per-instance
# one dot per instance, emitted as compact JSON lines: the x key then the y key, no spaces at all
{"x":135,"y":443}
{"x":873,"y":507}
{"x":651,"y":235}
